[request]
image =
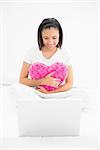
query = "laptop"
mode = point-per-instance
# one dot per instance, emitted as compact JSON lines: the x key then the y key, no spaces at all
{"x":49,"y":117}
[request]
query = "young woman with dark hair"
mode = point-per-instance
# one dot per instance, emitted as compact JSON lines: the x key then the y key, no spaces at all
{"x":52,"y":70}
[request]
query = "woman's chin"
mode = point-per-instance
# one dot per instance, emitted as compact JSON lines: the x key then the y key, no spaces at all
{"x":50,"y":47}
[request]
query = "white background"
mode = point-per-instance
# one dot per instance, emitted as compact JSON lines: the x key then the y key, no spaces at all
{"x":19,"y":24}
{"x":18,"y":32}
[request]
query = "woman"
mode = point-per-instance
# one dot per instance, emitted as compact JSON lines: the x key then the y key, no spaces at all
{"x":50,"y":38}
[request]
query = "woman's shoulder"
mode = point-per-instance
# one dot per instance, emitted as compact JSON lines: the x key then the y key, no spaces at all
{"x":32,"y":50}
{"x":30,"y":54}
{"x":65,"y":52}
{"x":66,"y":55}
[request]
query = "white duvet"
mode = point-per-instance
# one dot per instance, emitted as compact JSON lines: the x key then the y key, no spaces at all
{"x":23,"y":92}
{"x":9,"y":95}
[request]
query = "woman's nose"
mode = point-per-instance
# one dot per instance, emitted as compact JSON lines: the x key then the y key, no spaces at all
{"x":50,"y":41}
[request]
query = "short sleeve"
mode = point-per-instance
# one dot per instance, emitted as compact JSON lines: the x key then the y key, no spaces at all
{"x":67,"y":58}
{"x":28,"y":56}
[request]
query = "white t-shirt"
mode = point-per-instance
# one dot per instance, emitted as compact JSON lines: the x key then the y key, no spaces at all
{"x":35,"y":55}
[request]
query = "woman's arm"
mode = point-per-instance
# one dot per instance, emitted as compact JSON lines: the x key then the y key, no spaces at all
{"x":68,"y":83}
{"x":67,"y":86}
{"x":24,"y":77}
{"x":48,"y":80}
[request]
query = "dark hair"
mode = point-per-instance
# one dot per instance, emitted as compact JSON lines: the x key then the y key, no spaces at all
{"x":48,"y":23}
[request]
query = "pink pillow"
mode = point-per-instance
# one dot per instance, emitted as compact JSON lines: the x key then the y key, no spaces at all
{"x":40,"y":70}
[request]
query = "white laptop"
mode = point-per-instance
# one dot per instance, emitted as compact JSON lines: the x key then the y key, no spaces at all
{"x":49,"y":117}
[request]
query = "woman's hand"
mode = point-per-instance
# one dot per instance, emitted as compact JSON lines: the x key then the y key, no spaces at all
{"x":43,"y":90}
{"x":50,"y":81}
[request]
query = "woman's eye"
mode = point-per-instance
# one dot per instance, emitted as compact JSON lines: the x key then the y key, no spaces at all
{"x":54,"y":37}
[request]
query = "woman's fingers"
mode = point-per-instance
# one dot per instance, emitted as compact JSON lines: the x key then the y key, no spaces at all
{"x":55,"y":82}
{"x":40,"y":87}
{"x":51,"y":81}
{"x":58,"y":80}
{"x":50,"y":74}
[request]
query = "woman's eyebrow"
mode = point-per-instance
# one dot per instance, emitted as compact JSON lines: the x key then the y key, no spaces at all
{"x":45,"y":36}
{"x":48,"y":36}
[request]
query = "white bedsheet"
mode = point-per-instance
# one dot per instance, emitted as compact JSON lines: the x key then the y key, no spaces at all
{"x":23,"y":92}
{"x":26,"y":91}
{"x":9,"y":125}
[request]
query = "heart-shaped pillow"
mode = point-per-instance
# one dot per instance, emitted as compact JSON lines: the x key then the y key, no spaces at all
{"x":40,"y":70}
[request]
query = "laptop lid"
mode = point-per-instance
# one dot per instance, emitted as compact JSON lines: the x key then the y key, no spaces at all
{"x":49,"y":117}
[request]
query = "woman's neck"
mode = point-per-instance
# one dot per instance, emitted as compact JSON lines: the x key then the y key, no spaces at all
{"x":45,"y":49}
{"x":48,"y":53}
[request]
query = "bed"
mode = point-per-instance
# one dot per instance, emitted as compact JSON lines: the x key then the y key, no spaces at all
{"x":9,"y":127}
{"x":11,"y":120}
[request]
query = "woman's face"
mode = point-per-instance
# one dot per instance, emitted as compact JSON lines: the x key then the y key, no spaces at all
{"x":50,"y":37}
